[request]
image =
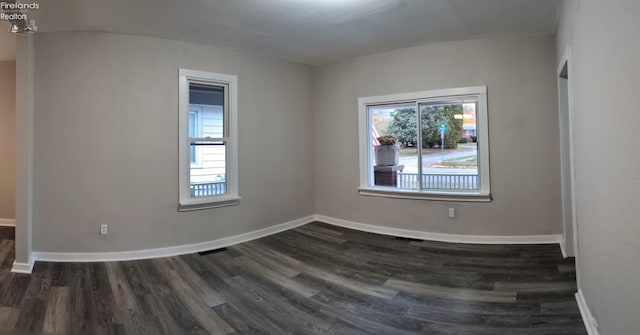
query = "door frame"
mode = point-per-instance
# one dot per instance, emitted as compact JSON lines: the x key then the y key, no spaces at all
{"x":566,"y":59}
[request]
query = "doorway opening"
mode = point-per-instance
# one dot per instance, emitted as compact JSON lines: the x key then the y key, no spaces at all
{"x":7,"y":160}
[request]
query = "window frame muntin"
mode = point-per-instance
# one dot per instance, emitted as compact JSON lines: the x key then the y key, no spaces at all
{"x":198,"y":122}
{"x":185,"y":201}
{"x":366,"y":187}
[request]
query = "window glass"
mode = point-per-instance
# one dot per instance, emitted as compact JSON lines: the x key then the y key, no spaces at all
{"x":426,"y":143}
{"x":398,"y":120}
{"x":206,"y":122}
{"x":449,"y":154}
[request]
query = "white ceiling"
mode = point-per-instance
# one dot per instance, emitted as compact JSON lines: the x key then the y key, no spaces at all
{"x":307,"y":31}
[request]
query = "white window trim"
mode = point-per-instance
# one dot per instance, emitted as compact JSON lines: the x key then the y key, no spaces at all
{"x":365,"y":145}
{"x":198,"y":119}
{"x":186,"y":202}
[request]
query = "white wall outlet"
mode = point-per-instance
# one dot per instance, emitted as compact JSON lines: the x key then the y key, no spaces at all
{"x":104,"y":229}
{"x":452,"y":212}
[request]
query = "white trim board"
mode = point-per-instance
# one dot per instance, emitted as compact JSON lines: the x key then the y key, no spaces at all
{"x":7,"y":222}
{"x":452,"y":238}
{"x":570,"y":247}
{"x":588,"y":319}
{"x":169,"y":251}
{"x":24,"y":267}
{"x":563,"y":247}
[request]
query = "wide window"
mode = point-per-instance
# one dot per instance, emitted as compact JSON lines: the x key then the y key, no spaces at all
{"x":425,"y":145}
{"x":208,"y":145}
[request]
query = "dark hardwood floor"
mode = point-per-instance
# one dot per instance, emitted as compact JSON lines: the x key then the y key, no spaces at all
{"x":316,"y":279}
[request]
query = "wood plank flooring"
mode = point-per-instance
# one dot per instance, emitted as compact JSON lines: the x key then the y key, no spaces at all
{"x":315,"y":279}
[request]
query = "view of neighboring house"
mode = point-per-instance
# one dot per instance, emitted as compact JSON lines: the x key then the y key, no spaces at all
{"x":206,"y":120}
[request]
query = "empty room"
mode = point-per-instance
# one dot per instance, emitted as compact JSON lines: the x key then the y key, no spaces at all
{"x":319,"y":167}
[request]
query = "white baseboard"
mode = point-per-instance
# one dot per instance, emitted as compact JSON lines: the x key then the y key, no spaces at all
{"x":168,"y":251}
{"x":453,"y":238}
{"x":588,"y":319}
{"x":227,"y":241}
{"x":563,"y":247}
{"x":24,"y":267}
{"x":7,"y":222}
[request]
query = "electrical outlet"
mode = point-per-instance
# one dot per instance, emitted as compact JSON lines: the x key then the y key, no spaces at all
{"x":452,"y":212}
{"x":104,"y":229}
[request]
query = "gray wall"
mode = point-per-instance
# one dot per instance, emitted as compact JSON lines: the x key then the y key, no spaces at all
{"x":523,"y":121}
{"x":7,"y":44}
{"x":106,"y":143}
{"x":7,"y":139}
{"x":603,"y":36}
{"x":106,"y":139}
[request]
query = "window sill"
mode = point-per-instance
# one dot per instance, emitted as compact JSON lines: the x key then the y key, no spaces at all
{"x":208,"y":203}
{"x":389,"y":192}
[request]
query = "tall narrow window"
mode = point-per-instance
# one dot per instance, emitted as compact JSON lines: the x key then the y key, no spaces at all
{"x":208,"y":152}
{"x":426,"y":145}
